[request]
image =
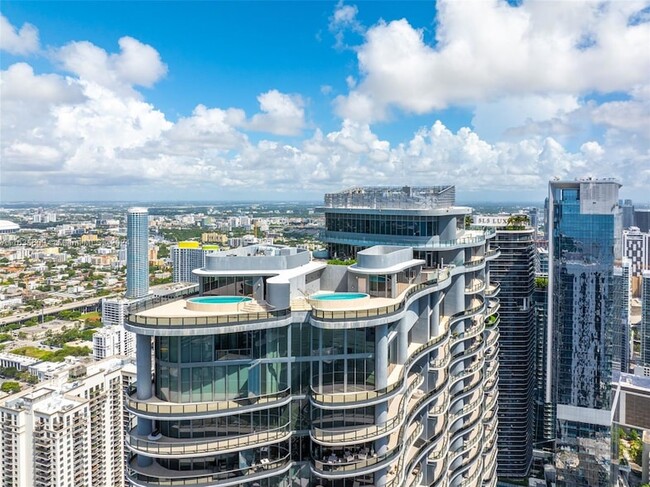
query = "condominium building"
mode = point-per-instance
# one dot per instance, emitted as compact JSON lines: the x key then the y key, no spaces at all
{"x":112,"y":338}
{"x":288,"y":371}
{"x":544,"y":408}
{"x":644,"y":326}
{"x":621,"y":332}
{"x":187,"y":256}
{"x":69,"y":431}
{"x":514,"y":270}
{"x":636,"y":247}
{"x":584,"y":243}
{"x":137,"y":253}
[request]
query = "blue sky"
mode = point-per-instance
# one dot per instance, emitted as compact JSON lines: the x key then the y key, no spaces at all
{"x":287,"y":100}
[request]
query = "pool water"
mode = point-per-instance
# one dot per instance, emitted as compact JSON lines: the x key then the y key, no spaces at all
{"x":338,"y":296}
{"x":220,"y":299}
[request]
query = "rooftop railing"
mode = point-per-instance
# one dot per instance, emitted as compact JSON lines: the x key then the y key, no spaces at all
{"x":205,"y":321}
{"x":339,"y":315}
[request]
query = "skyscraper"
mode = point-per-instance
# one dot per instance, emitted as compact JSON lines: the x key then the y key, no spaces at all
{"x":584,"y":242}
{"x":288,"y":371}
{"x":621,"y":312}
{"x":137,"y":253}
{"x":514,"y":270}
{"x":644,"y":326}
{"x":187,"y":256}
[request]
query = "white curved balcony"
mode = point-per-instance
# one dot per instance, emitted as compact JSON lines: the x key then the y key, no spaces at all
{"x":166,"y":447}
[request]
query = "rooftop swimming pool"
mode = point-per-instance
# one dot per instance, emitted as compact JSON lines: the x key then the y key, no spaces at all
{"x":217,"y":304}
{"x":338,"y":296}
{"x":220,"y":299}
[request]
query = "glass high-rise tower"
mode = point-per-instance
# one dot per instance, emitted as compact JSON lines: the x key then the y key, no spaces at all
{"x":584,"y":243}
{"x":137,"y":253}
{"x":288,"y":371}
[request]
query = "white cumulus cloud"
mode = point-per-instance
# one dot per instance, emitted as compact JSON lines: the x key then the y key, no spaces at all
{"x":18,"y":41}
{"x":136,"y":64}
{"x":488,"y":49}
{"x":282,"y":114}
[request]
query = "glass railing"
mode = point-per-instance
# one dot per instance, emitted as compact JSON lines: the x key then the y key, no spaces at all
{"x":155,"y":406}
{"x":493,"y":289}
{"x":492,"y":253}
{"x":164,"y":477}
{"x":338,"y":315}
{"x":476,"y":287}
{"x":468,"y":312}
{"x":364,"y":433}
{"x":199,"y":321}
{"x":476,"y":262}
{"x":362,"y":239}
{"x":186,"y":446}
{"x":358,"y":463}
{"x":362,"y":396}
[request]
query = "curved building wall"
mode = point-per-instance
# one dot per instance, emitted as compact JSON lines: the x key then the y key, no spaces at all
{"x":388,"y":391}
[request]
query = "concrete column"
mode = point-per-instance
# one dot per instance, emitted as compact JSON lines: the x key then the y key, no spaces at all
{"x":402,"y":340}
{"x":381,"y":381}
{"x":144,"y":388}
{"x":434,"y":323}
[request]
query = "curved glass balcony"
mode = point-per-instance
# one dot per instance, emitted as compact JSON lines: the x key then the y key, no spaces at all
{"x":157,"y":408}
{"x":156,"y":475}
{"x":184,"y":447}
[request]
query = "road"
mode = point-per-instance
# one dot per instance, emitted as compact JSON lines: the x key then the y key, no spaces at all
{"x":17,"y":318}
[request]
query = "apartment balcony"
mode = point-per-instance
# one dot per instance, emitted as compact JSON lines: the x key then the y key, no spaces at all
{"x":478,"y":305}
{"x":155,"y":408}
{"x":184,"y":447}
{"x":350,"y":436}
{"x":493,"y":306}
{"x":469,"y":446}
{"x":492,"y":254}
{"x":156,"y":475}
{"x":374,"y":307}
{"x":475,"y":286}
{"x":491,"y":399}
{"x":332,"y":468}
{"x":335,"y":398}
{"x":492,"y":290}
{"x":475,"y":263}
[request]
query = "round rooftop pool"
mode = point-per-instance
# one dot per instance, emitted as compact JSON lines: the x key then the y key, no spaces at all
{"x":219,"y":299}
{"x":338,"y":296}
{"x":225,"y":304}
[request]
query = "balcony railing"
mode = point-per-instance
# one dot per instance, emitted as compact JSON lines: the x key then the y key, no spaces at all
{"x":185,"y":446}
{"x":340,"y":315}
{"x":163,"y":477}
{"x":206,"y":321}
{"x":354,"y":435}
{"x":156,"y":407}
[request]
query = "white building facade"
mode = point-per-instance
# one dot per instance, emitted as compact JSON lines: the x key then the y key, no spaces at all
{"x":67,"y":433}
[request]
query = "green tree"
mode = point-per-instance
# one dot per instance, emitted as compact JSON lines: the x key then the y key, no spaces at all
{"x":10,"y":387}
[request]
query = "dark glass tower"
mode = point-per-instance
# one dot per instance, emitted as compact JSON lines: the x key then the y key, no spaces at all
{"x":584,"y":242}
{"x":514,"y":269}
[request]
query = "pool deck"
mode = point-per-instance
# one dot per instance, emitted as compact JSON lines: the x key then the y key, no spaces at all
{"x":178,"y":309}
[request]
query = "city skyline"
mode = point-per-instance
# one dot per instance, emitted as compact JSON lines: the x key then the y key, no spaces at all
{"x":216,"y":100}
